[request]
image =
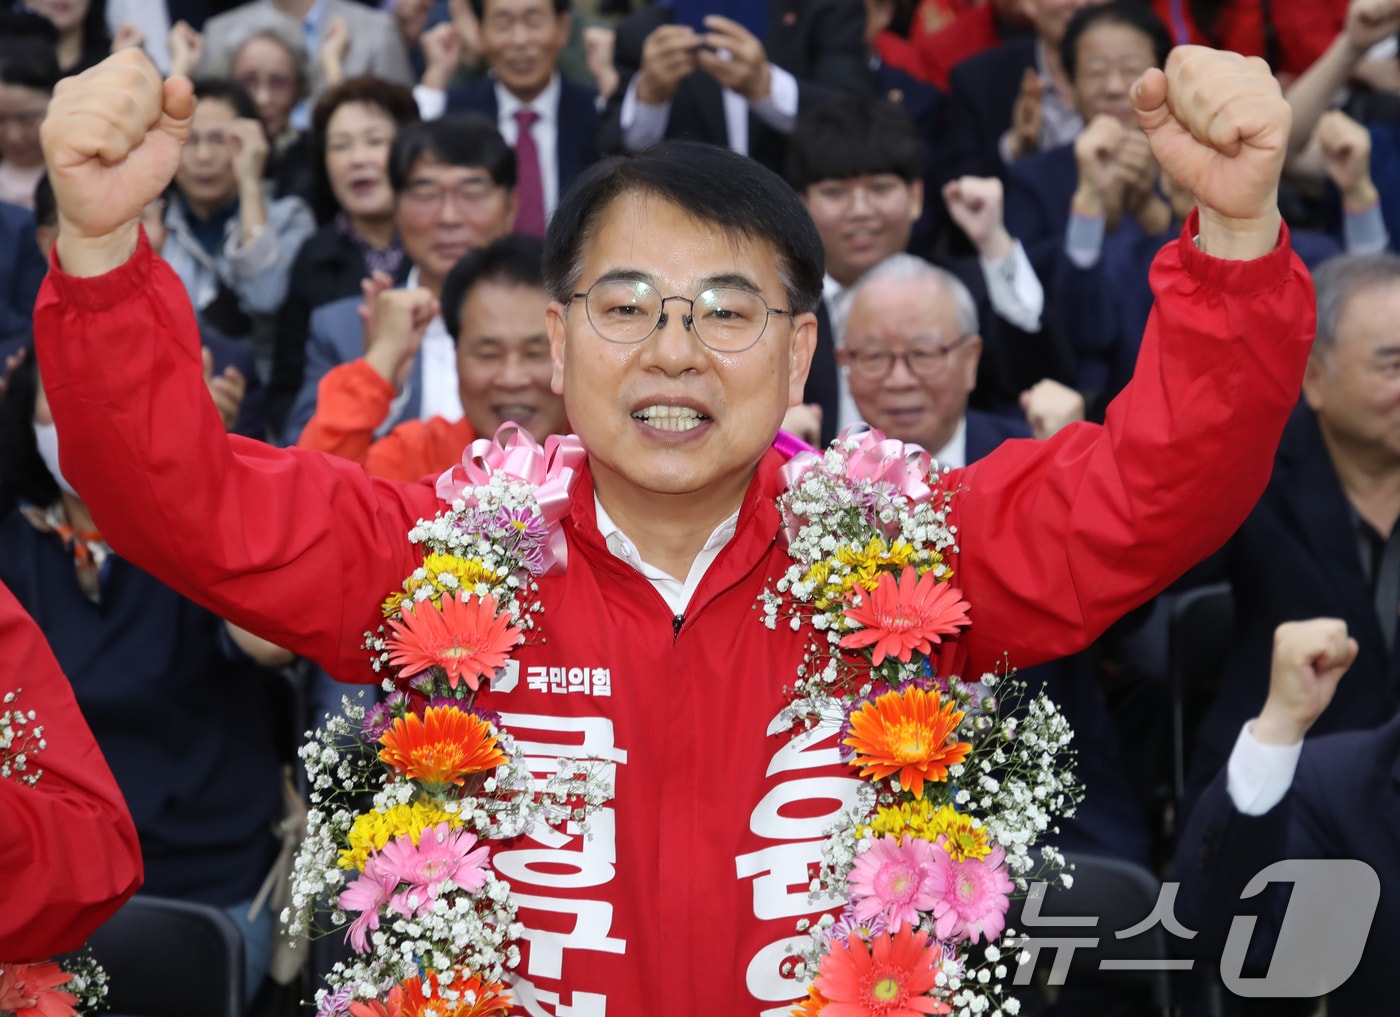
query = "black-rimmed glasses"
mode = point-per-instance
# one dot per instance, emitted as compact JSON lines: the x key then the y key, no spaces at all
{"x":725,"y":319}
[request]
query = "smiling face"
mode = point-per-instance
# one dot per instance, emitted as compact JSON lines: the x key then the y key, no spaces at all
{"x":863,"y":220}
{"x":1109,"y":58}
{"x":521,"y":41}
{"x":444,"y":211}
{"x":358,"y":136}
{"x":901,"y":317}
{"x":669,"y":416}
{"x":503,"y":364}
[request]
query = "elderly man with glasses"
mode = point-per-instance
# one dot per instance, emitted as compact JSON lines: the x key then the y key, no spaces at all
{"x":693,"y":877}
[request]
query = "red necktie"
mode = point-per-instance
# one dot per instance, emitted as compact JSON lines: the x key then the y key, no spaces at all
{"x":528,"y":185}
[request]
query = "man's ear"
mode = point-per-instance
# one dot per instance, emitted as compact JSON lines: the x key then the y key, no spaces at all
{"x":554,"y":327}
{"x":804,"y":345}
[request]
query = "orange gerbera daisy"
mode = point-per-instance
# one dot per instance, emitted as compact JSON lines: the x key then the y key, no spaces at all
{"x":464,"y":996}
{"x":811,"y":1006}
{"x":898,"y":617}
{"x":466,"y":637}
{"x":442,"y":747}
{"x":890,"y":978}
{"x":910,"y":733}
{"x":391,"y":1007}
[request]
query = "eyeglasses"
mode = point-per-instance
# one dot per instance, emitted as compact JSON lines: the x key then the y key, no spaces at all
{"x":426,"y":197}
{"x":926,"y":362}
{"x":627,"y":311}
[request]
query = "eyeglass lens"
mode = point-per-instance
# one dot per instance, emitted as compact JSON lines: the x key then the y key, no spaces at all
{"x":627,"y":311}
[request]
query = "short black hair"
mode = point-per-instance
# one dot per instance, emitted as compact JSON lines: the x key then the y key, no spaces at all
{"x":479,"y":8}
{"x":516,"y":259}
{"x":23,"y":475}
{"x":713,"y":185}
{"x":853,"y":136}
{"x":453,"y":141}
{"x":28,"y":51}
{"x":230,"y":92}
{"x":1131,"y":13}
{"x":45,"y":205}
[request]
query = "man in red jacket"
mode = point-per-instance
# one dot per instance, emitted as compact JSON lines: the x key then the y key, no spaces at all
{"x":69,"y":855}
{"x":691,"y":884}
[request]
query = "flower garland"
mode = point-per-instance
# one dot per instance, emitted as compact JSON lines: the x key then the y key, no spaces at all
{"x":44,"y":989}
{"x":962,"y":782}
{"x":407,"y":796}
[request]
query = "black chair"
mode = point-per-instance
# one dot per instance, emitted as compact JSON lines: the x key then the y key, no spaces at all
{"x":1077,"y":931}
{"x":170,"y":958}
{"x":1202,"y":623}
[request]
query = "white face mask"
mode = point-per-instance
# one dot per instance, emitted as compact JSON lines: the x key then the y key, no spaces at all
{"x":46,"y":435}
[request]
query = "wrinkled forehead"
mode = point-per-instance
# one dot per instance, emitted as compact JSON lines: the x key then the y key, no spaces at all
{"x":902,"y":311}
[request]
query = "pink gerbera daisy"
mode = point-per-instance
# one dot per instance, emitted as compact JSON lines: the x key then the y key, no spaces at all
{"x":893,"y":881}
{"x":898,"y":618}
{"x":442,"y":856}
{"x":367,"y":894}
{"x":973,"y":895}
{"x":890,"y":978}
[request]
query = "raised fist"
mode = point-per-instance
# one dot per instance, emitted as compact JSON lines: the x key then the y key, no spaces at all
{"x":442,"y":55}
{"x":112,"y":144}
{"x":394,"y":331}
{"x":734,"y":57}
{"x":1050,"y":406}
{"x":1025,"y":115}
{"x":334,"y":47}
{"x":248,"y":144}
{"x":1371,"y":21}
{"x":1100,"y":189}
{"x":1219,"y":125}
{"x":1346,"y":152}
{"x":1310,"y":657}
{"x":186,"y":49}
{"x":976,"y":205}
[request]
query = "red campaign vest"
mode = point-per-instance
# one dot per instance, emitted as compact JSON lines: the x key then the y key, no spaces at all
{"x":685,"y":897}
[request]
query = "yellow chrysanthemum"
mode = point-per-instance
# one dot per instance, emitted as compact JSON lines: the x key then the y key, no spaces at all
{"x":923,"y":820}
{"x":372,"y":830}
{"x":394,"y":603}
{"x":466,"y":571}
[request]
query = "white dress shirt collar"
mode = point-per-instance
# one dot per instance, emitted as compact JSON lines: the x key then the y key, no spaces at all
{"x":954,"y":454}
{"x":677,"y":594}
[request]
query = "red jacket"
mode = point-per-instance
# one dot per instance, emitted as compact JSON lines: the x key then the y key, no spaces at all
{"x":69,"y":855}
{"x":697,"y":873}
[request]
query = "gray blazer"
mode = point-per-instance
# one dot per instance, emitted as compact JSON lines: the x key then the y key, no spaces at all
{"x":336,"y":336}
{"x":375,"y":44}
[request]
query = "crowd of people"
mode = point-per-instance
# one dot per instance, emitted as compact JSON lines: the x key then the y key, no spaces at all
{"x":359,"y":219}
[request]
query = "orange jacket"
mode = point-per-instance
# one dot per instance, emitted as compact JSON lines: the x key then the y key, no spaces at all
{"x":352,"y":400}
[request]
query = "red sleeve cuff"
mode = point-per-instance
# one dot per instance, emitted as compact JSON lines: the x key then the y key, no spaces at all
{"x":1238,"y":278}
{"x":101,"y":292}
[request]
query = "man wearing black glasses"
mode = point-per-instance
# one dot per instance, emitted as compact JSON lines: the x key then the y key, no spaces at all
{"x":694,"y":877}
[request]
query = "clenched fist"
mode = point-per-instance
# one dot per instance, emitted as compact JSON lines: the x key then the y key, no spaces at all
{"x":1310,"y":657}
{"x":976,"y":205}
{"x":1346,"y":152}
{"x":112,"y":143}
{"x":1219,"y":125}
{"x":395,"y":321}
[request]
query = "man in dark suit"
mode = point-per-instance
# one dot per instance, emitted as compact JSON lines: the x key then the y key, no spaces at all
{"x":1323,"y":540}
{"x":1281,"y":798}
{"x":912,"y":348}
{"x":719,"y":82}
{"x":1009,"y":102}
{"x":22,"y":269}
{"x":1106,"y":174}
{"x":552,"y":123}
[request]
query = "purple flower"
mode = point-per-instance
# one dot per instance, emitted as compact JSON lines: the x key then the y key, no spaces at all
{"x":848,"y":925}
{"x":378,"y":719}
{"x":337,"y":1003}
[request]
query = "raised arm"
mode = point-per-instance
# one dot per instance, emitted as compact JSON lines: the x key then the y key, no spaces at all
{"x":1061,"y":538}
{"x":70,"y":856}
{"x":266,"y":538}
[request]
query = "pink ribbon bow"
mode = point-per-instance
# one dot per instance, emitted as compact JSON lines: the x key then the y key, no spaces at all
{"x":552,"y":469}
{"x":876,"y":458}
